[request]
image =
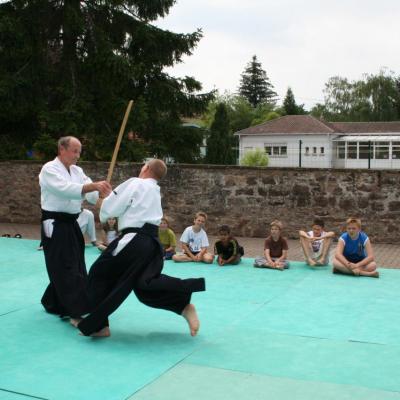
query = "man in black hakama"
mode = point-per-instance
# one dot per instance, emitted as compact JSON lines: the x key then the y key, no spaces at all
{"x":63,"y":188}
{"x":134,"y":261}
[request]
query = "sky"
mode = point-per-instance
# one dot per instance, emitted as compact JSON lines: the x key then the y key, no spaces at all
{"x":300,"y":44}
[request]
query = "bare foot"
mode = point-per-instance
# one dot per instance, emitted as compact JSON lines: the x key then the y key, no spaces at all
{"x":190,"y":314}
{"x":105,"y":332}
{"x":75,"y":321}
{"x":311,"y":262}
{"x":375,"y":275}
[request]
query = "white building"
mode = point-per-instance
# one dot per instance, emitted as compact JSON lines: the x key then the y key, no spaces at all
{"x":304,"y":141}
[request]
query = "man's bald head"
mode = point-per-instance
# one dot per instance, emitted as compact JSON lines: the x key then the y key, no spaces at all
{"x":154,"y":168}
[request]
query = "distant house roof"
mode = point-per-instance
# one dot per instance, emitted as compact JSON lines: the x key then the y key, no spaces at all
{"x":306,"y":124}
{"x":367,"y":127}
{"x":368,"y":138}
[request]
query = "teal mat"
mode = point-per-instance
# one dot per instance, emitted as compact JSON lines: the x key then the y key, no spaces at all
{"x":270,"y":334}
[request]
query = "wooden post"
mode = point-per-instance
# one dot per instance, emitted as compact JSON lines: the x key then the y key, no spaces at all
{"x":119,"y":139}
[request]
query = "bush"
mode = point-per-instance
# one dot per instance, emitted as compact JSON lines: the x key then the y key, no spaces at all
{"x":255,"y":158}
{"x":45,"y":147}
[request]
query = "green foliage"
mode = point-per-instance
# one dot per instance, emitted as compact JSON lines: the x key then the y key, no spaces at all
{"x":240,"y":112}
{"x":220,"y":140}
{"x":255,"y":85}
{"x":289,"y":104}
{"x":45,"y":147}
{"x":71,"y":67}
{"x":373,"y":98}
{"x":263,"y":113}
{"x":255,"y":158}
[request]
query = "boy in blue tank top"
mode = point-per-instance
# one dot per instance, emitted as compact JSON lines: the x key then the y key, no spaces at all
{"x":354,"y":255}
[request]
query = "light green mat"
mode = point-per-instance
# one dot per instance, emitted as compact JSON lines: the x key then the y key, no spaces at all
{"x":215,"y":383}
{"x":264,"y":334}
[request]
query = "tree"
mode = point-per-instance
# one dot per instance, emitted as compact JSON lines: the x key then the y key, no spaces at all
{"x":240,"y":112}
{"x":220,"y":140}
{"x":255,"y":158}
{"x":71,"y":66}
{"x":372,"y":98}
{"x":255,"y":85}
{"x":289,"y":104}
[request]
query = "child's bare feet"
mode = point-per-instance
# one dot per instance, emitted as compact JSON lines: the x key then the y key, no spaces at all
{"x":311,"y":262}
{"x":190,"y":314}
{"x":75,"y":321}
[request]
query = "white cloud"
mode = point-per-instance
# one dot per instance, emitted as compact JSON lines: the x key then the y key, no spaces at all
{"x":300,"y":44}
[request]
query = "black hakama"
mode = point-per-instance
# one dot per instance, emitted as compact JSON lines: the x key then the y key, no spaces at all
{"x":137,"y":267}
{"x":66,"y":294}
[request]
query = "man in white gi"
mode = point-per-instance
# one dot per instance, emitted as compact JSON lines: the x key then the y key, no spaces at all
{"x":63,"y":188}
{"x":134,"y":261}
{"x":87,"y":225}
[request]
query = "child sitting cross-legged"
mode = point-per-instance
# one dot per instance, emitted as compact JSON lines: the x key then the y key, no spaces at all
{"x":194,"y":242}
{"x":167,"y":238}
{"x":316,"y":243}
{"x":275,"y":249}
{"x":227,"y":248}
{"x":354,"y":254}
{"x":110,"y":232}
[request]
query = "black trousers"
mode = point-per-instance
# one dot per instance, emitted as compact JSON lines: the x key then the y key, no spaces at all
{"x":66,"y":295}
{"x":136,"y":268}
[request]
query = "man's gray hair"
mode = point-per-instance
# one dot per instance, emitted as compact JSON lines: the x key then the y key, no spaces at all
{"x":64,"y":142}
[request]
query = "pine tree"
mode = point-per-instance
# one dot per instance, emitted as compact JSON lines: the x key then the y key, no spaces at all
{"x":255,"y":85}
{"x":71,"y":66}
{"x":289,"y":104}
{"x":220,"y":140}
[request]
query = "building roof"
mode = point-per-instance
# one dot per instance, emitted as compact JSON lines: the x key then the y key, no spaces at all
{"x":367,"y":127}
{"x":368,"y":138}
{"x":306,"y":124}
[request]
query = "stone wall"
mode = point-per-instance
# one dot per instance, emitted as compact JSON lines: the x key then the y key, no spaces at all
{"x":247,"y":199}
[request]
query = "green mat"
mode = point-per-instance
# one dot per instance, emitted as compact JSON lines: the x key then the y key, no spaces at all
{"x":299,"y":334}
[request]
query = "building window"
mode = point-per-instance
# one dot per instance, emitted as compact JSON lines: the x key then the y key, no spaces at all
{"x":276,"y":150}
{"x":396,"y":150}
{"x":314,"y":151}
{"x":322,"y":151}
{"x":341,"y":150}
{"x":307,"y":151}
{"x":381,"y":150}
{"x":351,"y":150}
{"x":363,"y":150}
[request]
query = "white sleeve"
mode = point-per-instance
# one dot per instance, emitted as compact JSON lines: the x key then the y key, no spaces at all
{"x":185,"y":236}
{"x":55,"y":183}
{"x":91,"y":197}
{"x":116,"y":203}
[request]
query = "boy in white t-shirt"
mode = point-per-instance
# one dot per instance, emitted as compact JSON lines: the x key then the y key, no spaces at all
{"x":194,"y":242}
{"x":315,"y":243}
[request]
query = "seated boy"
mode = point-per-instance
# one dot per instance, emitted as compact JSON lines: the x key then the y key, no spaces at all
{"x":167,"y":238}
{"x":194,"y":242}
{"x":275,"y":250}
{"x":315,"y":243}
{"x":227,"y":248}
{"x":354,"y":255}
